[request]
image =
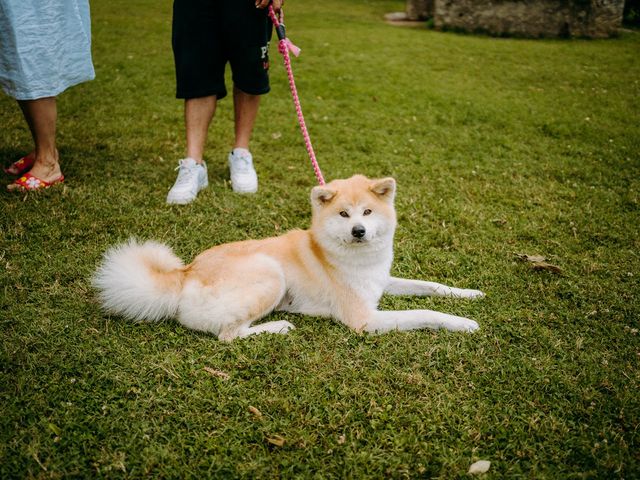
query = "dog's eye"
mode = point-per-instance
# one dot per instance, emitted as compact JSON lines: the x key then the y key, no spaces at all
{"x":344,"y":214}
{"x":367,"y":212}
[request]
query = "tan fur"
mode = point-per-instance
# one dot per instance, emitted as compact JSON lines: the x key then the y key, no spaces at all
{"x":167,"y":281}
{"x":338,"y":268}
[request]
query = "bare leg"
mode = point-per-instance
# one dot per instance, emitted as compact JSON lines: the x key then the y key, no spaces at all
{"x":41,"y":116}
{"x":246,"y":110}
{"x":198,"y":113}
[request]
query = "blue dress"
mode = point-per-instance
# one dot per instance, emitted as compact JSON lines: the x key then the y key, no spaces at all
{"x":45,"y":47}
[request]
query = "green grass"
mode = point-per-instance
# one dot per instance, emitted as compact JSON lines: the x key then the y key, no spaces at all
{"x":499,"y":146}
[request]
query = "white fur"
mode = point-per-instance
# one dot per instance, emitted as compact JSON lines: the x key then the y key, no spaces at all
{"x":126,"y":287}
{"x":401,"y":286}
{"x":418,"y":319}
{"x":325,"y":271}
{"x":223,"y":308}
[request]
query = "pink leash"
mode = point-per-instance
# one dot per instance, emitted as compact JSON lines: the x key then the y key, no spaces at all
{"x":284,"y":46}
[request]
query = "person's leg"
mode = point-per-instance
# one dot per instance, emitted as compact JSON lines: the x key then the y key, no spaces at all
{"x":200,"y":82}
{"x":246,"y":110}
{"x":41,"y":116}
{"x":198,"y":113}
{"x":192,"y":175}
{"x":247,"y":47}
{"x":244,"y":178}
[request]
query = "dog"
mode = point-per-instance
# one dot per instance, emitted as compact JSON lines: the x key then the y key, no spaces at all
{"x":338,"y":268}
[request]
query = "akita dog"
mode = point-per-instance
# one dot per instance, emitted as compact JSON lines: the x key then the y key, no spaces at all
{"x":338,"y":268}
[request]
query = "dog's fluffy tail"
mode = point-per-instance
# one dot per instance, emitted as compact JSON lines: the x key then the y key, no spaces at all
{"x":140,"y":281}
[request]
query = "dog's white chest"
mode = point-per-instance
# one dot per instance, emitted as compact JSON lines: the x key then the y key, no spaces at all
{"x":367,"y":282}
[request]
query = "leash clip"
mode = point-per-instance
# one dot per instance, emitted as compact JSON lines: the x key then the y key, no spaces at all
{"x":280,"y":31}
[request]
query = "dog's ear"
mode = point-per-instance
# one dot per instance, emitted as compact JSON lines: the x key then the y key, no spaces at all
{"x":385,"y":188}
{"x":321,"y":195}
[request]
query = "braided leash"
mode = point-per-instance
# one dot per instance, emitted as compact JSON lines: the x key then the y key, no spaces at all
{"x":284,"y":46}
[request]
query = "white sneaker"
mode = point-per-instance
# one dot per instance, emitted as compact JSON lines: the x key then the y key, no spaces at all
{"x":192,"y":177}
{"x":244,"y":178}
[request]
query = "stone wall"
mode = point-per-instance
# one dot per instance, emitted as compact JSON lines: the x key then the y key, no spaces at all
{"x":531,"y":18}
{"x":419,"y":9}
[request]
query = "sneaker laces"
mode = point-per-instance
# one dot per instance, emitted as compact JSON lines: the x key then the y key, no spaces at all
{"x":185,"y":174}
{"x":242,"y":163}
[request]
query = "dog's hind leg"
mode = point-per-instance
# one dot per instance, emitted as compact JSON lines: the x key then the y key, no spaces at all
{"x":280,"y":326}
{"x":239,"y":292}
{"x":401,"y":286}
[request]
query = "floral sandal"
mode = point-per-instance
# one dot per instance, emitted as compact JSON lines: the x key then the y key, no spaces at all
{"x":20,"y":166}
{"x":30,"y":183}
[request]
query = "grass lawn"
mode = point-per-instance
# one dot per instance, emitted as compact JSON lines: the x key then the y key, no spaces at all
{"x":500,"y":147}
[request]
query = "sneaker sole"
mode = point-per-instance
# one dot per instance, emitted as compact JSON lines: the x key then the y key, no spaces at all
{"x":180,"y":201}
{"x":244,"y":190}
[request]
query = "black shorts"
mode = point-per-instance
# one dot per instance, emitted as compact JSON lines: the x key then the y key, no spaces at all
{"x":209,"y":33}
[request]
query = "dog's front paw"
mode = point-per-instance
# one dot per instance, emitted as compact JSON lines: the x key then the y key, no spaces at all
{"x":464,"y":325}
{"x":472,"y":325}
{"x":472,"y":294}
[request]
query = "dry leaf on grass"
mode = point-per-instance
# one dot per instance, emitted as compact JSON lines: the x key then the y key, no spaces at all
{"x":538,"y":262}
{"x":216,"y":373}
{"x":481,"y":466}
{"x":276,"y":440}
{"x":547,"y":266}
{"x":530,"y":258}
{"x":257,"y":413}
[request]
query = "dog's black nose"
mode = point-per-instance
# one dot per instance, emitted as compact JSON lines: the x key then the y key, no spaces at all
{"x":358,"y":231}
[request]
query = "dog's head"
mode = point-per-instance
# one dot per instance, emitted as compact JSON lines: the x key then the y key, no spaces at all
{"x":355,"y":212}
